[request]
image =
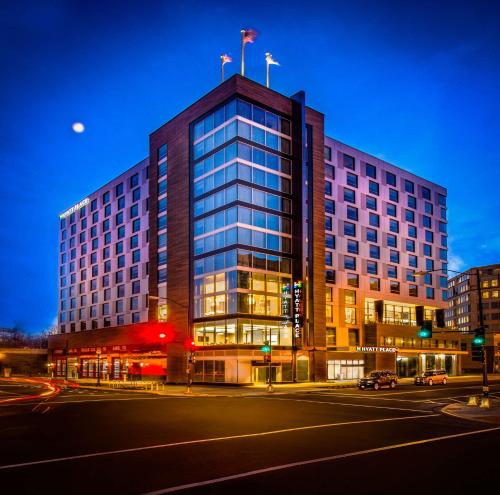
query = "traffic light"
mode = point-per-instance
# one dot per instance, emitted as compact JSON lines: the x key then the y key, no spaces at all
{"x":478,"y":338}
{"x":425,"y":331}
{"x":266,"y":347}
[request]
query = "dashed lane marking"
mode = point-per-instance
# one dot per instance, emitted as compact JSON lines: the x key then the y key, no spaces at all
{"x":208,"y":440}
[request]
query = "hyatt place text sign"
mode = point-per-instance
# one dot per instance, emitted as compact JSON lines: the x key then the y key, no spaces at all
{"x":375,"y":349}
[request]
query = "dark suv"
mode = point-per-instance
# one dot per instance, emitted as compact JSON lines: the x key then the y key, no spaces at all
{"x":378,"y":379}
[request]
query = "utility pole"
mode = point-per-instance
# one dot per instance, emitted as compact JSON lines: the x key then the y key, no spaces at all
{"x":98,"y":352}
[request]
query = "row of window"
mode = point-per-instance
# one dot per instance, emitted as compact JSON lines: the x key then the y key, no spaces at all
{"x":371,"y":171}
{"x":241,"y":235}
{"x":242,"y":172}
{"x":245,"y":194}
{"x":243,"y":130}
{"x":106,"y":201}
{"x":244,"y":109}
{"x":243,"y":215}
{"x":102,"y":310}
{"x":242,"y":331}
{"x":246,"y":152}
{"x":239,"y":279}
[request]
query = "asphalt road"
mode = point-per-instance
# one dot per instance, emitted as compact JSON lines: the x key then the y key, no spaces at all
{"x":325,"y":441}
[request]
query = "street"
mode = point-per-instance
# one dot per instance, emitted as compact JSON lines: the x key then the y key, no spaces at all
{"x":318,"y":441}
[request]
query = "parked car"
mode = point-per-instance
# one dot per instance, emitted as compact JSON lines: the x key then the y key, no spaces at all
{"x":432,"y":377}
{"x":378,"y":379}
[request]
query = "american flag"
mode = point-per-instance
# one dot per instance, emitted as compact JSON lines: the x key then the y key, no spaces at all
{"x":249,"y":35}
{"x":225,"y":59}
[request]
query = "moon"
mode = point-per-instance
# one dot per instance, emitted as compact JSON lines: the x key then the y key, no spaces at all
{"x":78,"y":127}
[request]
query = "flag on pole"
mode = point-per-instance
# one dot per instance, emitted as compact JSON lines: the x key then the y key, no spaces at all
{"x":247,"y":36}
{"x":224,"y":59}
{"x":269,"y":61}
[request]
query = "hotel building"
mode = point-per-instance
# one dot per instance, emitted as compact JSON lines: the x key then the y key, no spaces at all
{"x":252,"y":226}
{"x":463,"y":313}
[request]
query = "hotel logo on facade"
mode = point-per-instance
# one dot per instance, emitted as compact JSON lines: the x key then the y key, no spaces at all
{"x":297,"y":296}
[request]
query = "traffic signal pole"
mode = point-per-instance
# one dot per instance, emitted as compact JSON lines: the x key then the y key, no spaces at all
{"x":486,"y":388}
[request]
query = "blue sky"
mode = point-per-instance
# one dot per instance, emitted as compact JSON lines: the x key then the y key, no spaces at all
{"x":414,"y":83}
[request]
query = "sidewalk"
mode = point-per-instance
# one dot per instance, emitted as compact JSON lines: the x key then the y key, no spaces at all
{"x":475,"y":413}
{"x":225,"y":390}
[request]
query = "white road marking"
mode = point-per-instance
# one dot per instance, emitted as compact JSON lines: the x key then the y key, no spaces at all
{"x":423,"y":411}
{"x":314,"y":461}
{"x":46,"y":409}
{"x":98,"y":400}
{"x":434,"y":388}
{"x":208,"y":440}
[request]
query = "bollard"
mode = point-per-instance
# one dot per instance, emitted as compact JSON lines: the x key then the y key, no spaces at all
{"x":485,"y":402}
{"x":472,"y":401}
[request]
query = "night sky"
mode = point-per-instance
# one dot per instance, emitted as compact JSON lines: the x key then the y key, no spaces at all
{"x":416,"y":83}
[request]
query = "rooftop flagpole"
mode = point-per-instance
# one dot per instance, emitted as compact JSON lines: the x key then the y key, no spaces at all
{"x":224,"y":59}
{"x":269,"y":61}
{"x":247,"y":36}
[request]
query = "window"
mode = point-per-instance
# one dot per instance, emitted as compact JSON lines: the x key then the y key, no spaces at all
{"x":429,"y":236}
{"x":393,"y":225}
{"x":394,"y":287}
{"x":330,"y":241}
{"x":328,"y":188}
{"x":349,"y":262}
{"x":348,"y":162}
{"x":349,"y":229}
{"x":329,"y":171}
{"x":372,"y":267}
{"x":371,"y":203}
{"x":412,"y":260}
{"x":390,"y":179}
{"x":413,"y":290}
{"x":352,"y":213}
{"x":328,"y":153}
{"x":412,"y":231}
{"x":371,"y":235}
{"x":371,"y":171}
{"x":352,"y":280}
{"x":328,"y":223}
{"x":373,"y":187}
{"x":374,"y":284}
{"x":136,"y":225}
{"x":410,"y":216}
{"x":427,"y":250}
{"x":429,"y":292}
{"x":392,"y":241}
{"x":426,"y":193}
{"x":352,"y":180}
{"x":391,"y":209}
{"x":329,"y":206}
{"x":394,"y":256}
{"x":409,"y":186}
{"x":374,"y":252}
{"x":412,"y":202}
{"x":373,"y":219}
{"x":349,"y":195}
{"x":429,"y":209}
{"x":410,"y":245}
{"x":134,"y":181}
{"x":426,"y":221}
{"x":352,"y":246}
{"x":394,"y":195}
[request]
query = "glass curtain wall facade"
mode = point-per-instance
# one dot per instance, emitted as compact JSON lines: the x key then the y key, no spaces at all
{"x":241,"y":234}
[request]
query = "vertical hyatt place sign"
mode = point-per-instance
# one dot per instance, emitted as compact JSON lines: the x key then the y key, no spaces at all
{"x":297,"y":317}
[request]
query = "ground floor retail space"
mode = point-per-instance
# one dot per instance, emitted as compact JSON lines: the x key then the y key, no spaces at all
{"x":248,"y":365}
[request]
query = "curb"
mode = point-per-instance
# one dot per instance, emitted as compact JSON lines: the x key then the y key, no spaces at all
{"x":484,"y":419}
